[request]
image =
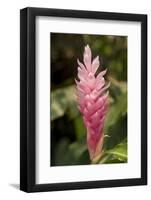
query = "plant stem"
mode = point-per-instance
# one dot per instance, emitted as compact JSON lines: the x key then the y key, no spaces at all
{"x":97,"y":159}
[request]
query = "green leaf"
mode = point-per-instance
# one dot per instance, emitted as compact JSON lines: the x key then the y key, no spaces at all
{"x":79,"y":127}
{"x":116,"y":119}
{"x":58,"y":104}
{"x":116,"y":110}
{"x":78,"y":148}
{"x":72,"y":110}
{"x":71,"y":154}
{"x":116,"y":155}
{"x":60,"y":157}
{"x":63,"y":101}
{"x":118,"y":106}
{"x":119,"y":152}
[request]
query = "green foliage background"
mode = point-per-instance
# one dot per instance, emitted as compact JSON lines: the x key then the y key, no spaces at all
{"x":68,"y":134}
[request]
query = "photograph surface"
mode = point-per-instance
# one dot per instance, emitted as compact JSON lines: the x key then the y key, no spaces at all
{"x":88,"y":99}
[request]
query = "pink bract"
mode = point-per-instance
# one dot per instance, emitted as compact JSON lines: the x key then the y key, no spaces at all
{"x":92,"y":101}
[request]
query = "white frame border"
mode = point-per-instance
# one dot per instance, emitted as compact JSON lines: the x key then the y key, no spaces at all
{"x":47,"y":174}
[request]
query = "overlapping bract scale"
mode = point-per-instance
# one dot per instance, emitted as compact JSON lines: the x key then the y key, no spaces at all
{"x":92,"y":100}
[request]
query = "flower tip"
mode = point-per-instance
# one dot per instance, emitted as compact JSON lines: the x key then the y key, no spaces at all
{"x":107,"y":93}
{"x":97,"y":59}
{"x":104,"y":71}
{"x":76,"y":81}
{"x":109,"y":84}
{"x":78,"y":60}
{"x":87,"y":48}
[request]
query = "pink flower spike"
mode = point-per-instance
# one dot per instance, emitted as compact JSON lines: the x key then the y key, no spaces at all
{"x":92,"y":101}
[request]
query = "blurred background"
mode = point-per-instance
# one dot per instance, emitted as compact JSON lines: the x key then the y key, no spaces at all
{"x":68,"y":134}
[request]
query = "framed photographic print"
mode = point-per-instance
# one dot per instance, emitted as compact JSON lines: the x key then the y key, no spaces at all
{"x":83,"y":99}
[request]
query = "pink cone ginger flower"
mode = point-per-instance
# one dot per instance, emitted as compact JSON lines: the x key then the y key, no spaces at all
{"x":92,"y":101}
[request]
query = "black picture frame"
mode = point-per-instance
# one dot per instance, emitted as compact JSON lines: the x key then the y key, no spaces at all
{"x":28,"y":98}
